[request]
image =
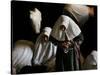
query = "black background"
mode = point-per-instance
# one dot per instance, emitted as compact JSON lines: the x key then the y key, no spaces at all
{"x":21,"y":25}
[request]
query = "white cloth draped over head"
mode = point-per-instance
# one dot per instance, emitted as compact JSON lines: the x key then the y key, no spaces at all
{"x":36,"y":18}
{"x":80,"y":12}
{"x":91,"y":61}
{"x":44,"y":51}
{"x":71,"y":29}
{"x":22,"y":54}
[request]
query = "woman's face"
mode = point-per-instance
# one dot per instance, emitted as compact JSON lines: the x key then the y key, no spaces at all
{"x":45,"y":38}
{"x":62,"y":27}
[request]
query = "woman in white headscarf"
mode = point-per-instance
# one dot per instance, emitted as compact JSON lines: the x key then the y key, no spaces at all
{"x":68,"y":36}
{"x":22,"y":54}
{"x":91,"y":61}
{"x":45,"y":51}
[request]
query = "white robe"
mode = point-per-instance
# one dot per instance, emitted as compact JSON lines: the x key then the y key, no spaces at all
{"x":44,"y":51}
{"x":22,"y":54}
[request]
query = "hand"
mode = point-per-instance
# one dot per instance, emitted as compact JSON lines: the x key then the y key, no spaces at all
{"x":66,"y":44}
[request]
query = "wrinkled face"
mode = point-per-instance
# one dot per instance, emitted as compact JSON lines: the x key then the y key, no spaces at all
{"x":44,"y":38}
{"x":36,"y":18}
{"x":62,"y":27}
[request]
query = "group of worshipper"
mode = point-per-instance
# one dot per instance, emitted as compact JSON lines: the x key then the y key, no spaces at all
{"x":56,"y":49}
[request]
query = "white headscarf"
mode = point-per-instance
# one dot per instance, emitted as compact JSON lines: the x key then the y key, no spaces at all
{"x":71,"y":29}
{"x":44,"y":51}
{"x":91,"y":60}
{"x":36,"y":18}
{"x":22,"y":54}
{"x":80,"y":12}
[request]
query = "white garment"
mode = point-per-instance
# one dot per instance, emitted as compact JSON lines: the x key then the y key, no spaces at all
{"x":91,"y":61}
{"x":22,"y":54}
{"x":36,"y":18}
{"x":71,"y":29}
{"x":44,"y":51}
{"x":92,"y":58}
{"x":80,"y":12}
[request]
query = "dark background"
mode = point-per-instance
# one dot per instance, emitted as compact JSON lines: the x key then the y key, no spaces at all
{"x":21,"y":25}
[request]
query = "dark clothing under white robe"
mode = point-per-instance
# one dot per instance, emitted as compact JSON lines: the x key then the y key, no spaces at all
{"x":68,"y":59}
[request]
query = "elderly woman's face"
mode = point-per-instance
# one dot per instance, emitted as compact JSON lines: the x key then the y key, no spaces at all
{"x":62,"y":27}
{"x":45,"y":38}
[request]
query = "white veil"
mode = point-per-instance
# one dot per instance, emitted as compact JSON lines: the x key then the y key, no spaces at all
{"x":71,"y":28}
{"x":36,"y":18}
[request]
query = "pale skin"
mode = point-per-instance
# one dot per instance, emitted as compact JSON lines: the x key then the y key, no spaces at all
{"x":45,"y":38}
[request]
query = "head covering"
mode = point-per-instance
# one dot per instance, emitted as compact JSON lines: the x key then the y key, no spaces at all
{"x":91,"y":60}
{"x":80,"y":12}
{"x":36,"y":18}
{"x":71,"y":29}
{"x":21,"y":54}
{"x":43,"y":52}
{"x":47,"y":31}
